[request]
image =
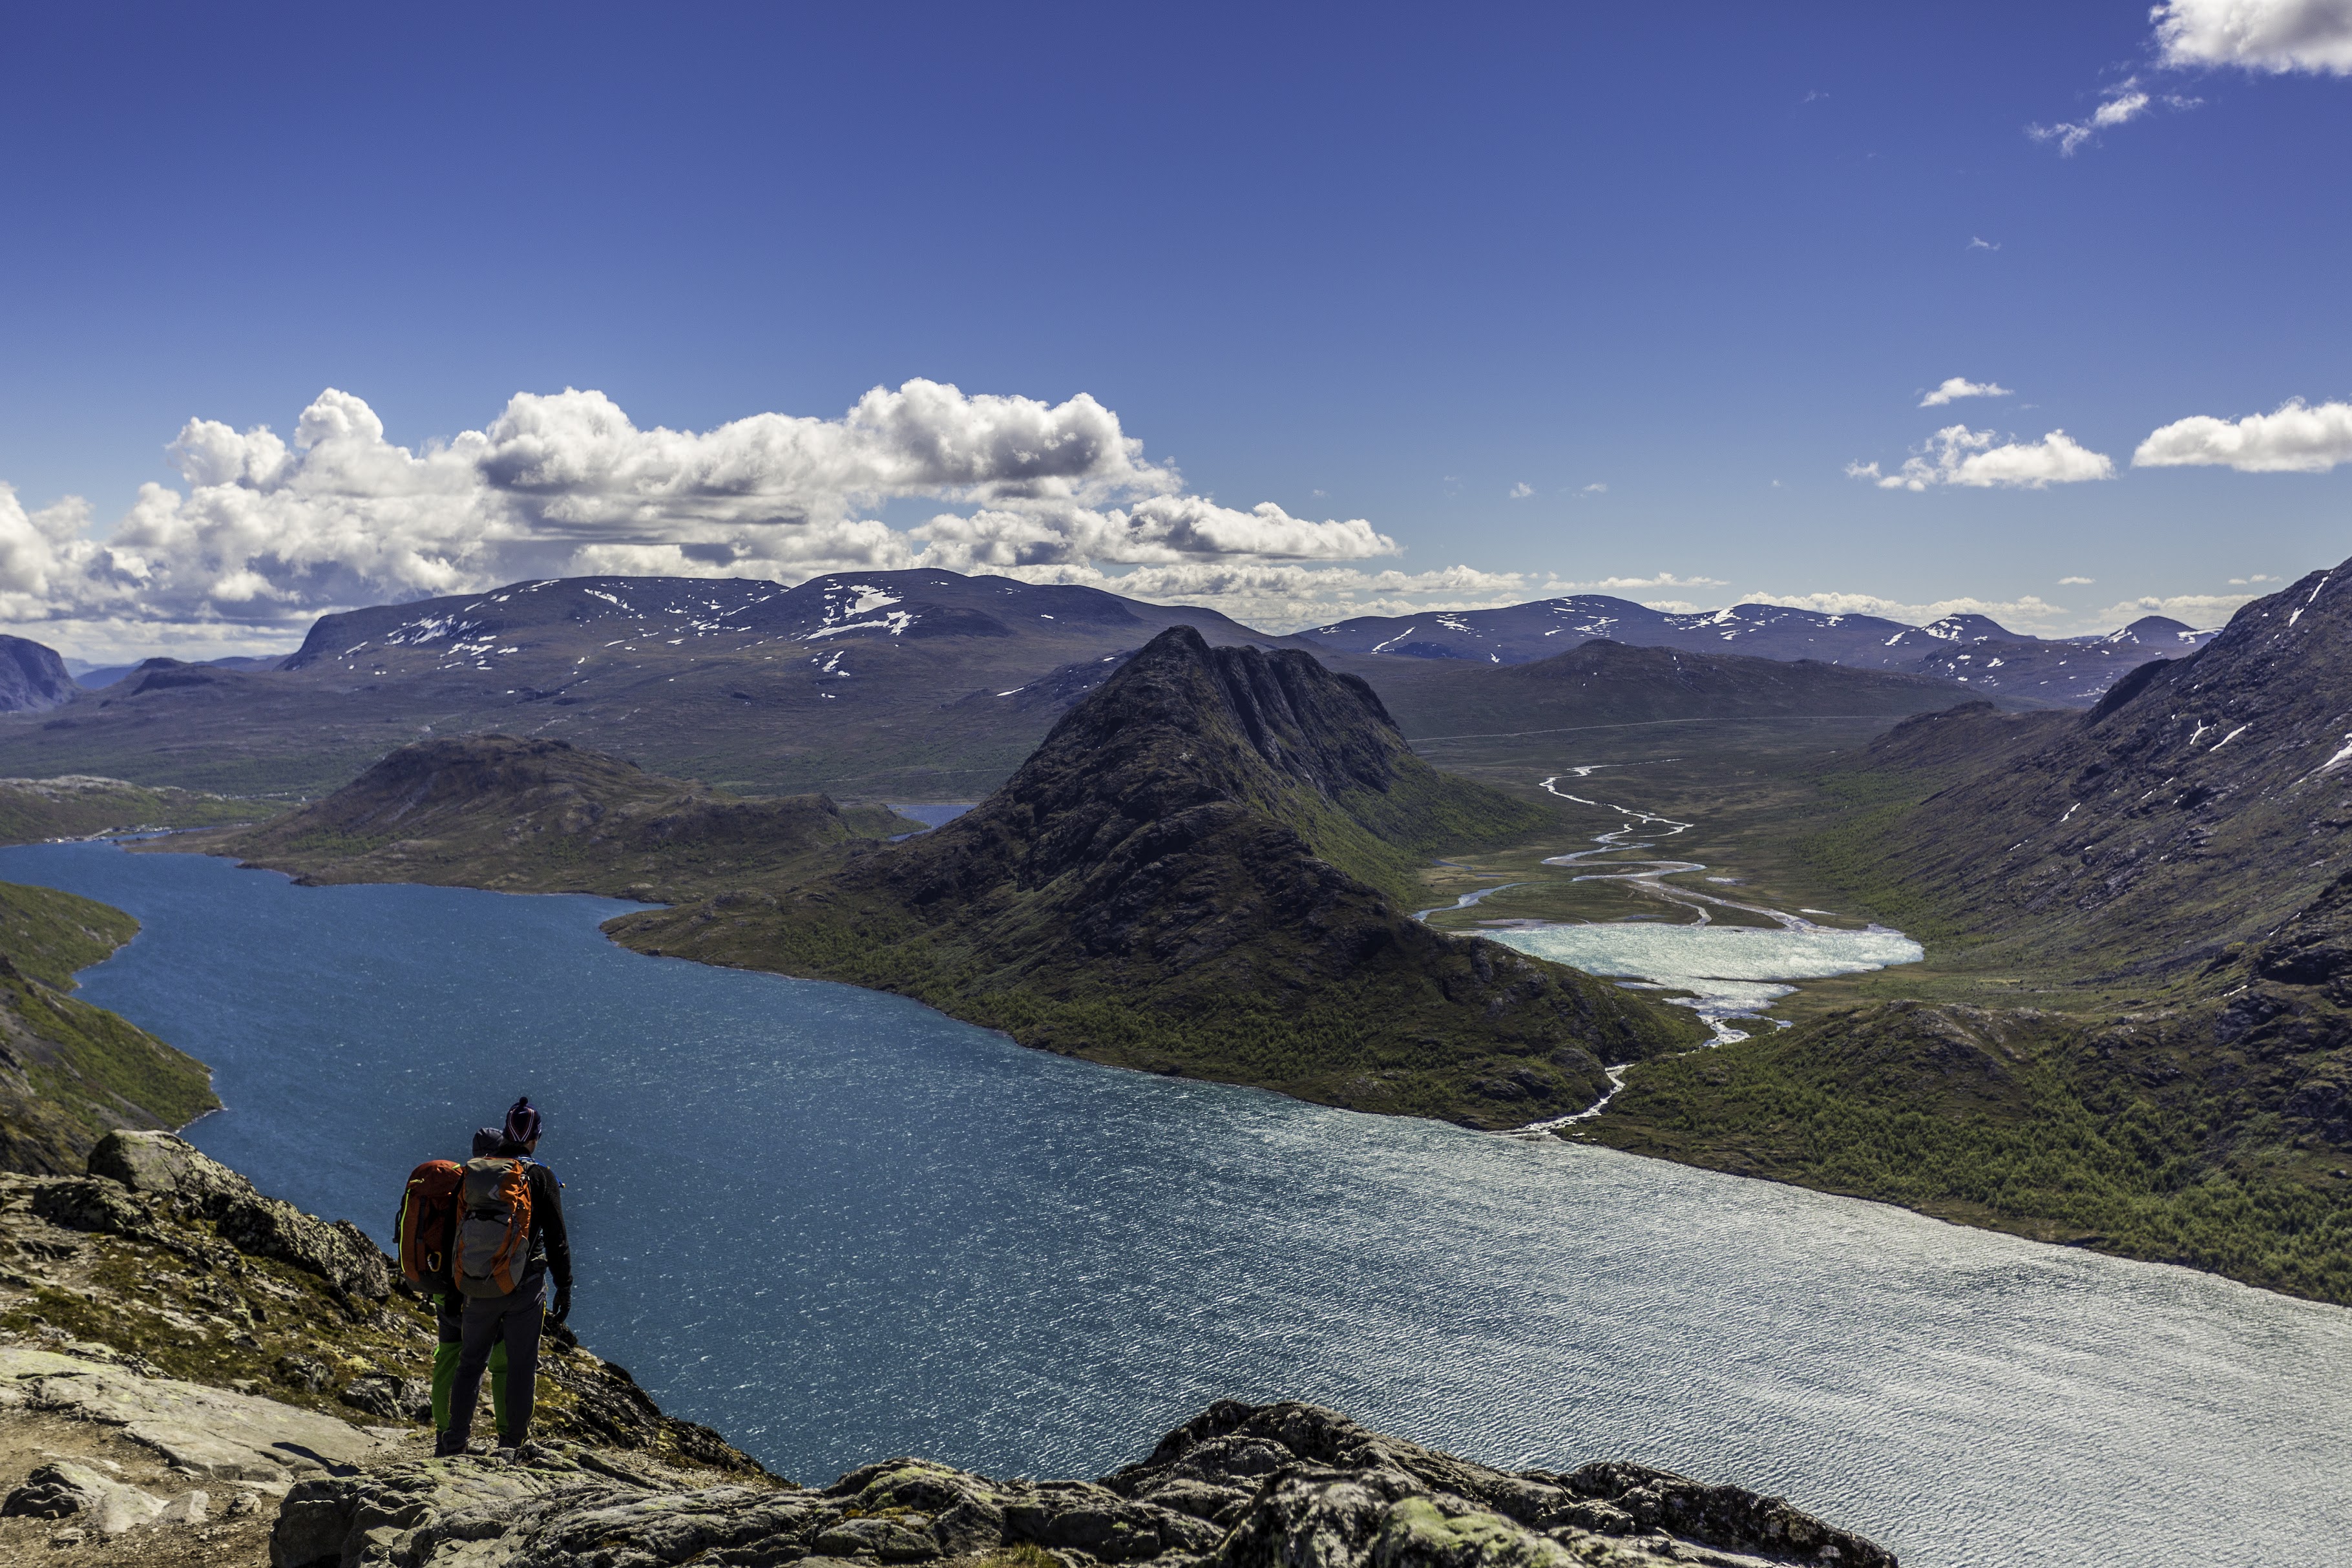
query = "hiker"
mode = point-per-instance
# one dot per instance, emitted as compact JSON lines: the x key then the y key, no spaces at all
{"x":448,"y":1318}
{"x":510,"y":1238}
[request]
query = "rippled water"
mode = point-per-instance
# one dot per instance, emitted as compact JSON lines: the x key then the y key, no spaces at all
{"x":839,"y":1225}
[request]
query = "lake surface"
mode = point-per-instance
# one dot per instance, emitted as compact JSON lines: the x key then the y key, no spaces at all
{"x":838,"y":1225}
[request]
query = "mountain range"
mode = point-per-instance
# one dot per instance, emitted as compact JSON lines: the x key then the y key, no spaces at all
{"x":889,"y":685}
{"x":1973,"y":651}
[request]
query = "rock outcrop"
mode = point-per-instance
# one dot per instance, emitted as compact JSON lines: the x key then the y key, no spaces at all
{"x":1273,"y":1486}
{"x":167,"y":1264}
{"x":216,"y":1432}
{"x":33,"y":678}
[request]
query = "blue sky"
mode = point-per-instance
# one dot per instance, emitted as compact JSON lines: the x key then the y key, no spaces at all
{"x":1420,"y":280}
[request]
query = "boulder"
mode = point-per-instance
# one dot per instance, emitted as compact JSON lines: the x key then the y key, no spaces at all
{"x":66,"y":1489}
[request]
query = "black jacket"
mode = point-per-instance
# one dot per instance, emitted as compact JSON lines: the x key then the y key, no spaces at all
{"x":550,"y":1244}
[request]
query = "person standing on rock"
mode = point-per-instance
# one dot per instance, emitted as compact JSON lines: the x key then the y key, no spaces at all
{"x":449,"y":1325}
{"x":510,"y":1238}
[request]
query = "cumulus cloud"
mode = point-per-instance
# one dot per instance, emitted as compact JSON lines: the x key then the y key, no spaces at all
{"x":1958,"y":456}
{"x":2272,"y":36}
{"x":1960,"y":387}
{"x":2075,"y":582}
{"x":2296,"y":439}
{"x":1276,"y":596}
{"x":1630,"y":584}
{"x":2198,"y":610}
{"x":1521,"y":491}
{"x":270,"y":532}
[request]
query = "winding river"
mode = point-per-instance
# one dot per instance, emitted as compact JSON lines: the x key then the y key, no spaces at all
{"x":839,"y":1225}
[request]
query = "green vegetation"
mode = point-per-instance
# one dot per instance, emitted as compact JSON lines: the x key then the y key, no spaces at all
{"x":70,"y":1072}
{"x":542,"y":816}
{"x":2021,"y":1121}
{"x":77,"y":807}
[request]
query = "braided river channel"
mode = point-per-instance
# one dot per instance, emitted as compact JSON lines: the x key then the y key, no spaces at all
{"x":839,"y":1227}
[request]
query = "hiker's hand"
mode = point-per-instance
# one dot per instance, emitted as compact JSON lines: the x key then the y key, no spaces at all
{"x":561,"y":1309}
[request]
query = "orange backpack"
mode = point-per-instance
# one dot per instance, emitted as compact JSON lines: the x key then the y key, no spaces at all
{"x":427,"y":1221}
{"x":494,"y":1234}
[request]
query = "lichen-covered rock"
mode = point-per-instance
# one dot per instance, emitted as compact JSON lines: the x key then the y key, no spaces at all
{"x":1276,"y":1486}
{"x":166,"y":1166}
{"x":202,"y":1431}
{"x":69,"y":1490}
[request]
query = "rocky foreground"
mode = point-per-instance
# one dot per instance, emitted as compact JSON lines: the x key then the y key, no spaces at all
{"x":1239,"y":1486}
{"x":194,"y":1374}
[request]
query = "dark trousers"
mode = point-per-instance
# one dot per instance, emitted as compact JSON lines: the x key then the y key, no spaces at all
{"x":510,"y":1321}
{"x":449,"y":1322}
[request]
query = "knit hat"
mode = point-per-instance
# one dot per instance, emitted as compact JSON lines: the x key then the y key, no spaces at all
{"x":522,"y":1122}
{"x":487,"y":1141}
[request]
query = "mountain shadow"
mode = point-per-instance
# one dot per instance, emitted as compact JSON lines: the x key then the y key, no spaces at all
{"x":541,"y":816}
{"x":1204,"y":871}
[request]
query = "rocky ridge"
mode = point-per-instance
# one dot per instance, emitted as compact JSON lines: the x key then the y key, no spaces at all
{"x":1238,"y":1486}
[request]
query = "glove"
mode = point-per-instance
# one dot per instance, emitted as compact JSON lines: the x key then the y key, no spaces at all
{"x":561,"y":1309}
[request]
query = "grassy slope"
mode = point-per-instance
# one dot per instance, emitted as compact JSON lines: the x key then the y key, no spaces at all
{"x":523,"y":815}
{"x":70,"y":1072}
{"x":2014,"y":1120}
{"x":1147,"y":891}
{"x":32,"y":809}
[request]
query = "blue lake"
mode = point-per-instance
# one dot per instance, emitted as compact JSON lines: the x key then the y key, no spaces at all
{"x":838,"y":1225}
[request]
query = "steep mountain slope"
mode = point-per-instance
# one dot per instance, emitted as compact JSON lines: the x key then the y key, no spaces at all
{"x":69,"y":1072}
{"x":2200,"y":803}
{"x":1970,"y":649}
{"x":33,"y":678}
{"x":1200,"y":872}
{"x":848,"y":683}
{"x":542,"y":816}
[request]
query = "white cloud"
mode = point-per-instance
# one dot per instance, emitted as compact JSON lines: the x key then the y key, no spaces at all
{"x":1958,"y":456}
{"x":1520,"y":492}
{"x":1961,"y":386}
{"x":2296,"y":439}
{"x":1978,"y":242}
{"x":2198,"y":610}
{"x":2075,"y":581}
{"x":1594,"y":489}
{"x":269,"y":534}
{"x":2122,"y":104}
{"x":1630,"y":584}
{"x":1280,"y":597}
{"x":2258,"y":577}
{"x":2274,"y":36}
